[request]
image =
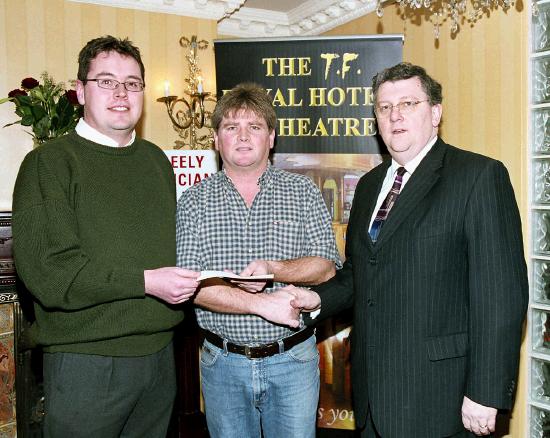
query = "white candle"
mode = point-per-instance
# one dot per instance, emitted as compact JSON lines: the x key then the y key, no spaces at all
{"x":166,"y":88}
{"x":199,"y":85}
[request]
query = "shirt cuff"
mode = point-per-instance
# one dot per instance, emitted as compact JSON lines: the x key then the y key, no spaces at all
{"x":315,"y":313}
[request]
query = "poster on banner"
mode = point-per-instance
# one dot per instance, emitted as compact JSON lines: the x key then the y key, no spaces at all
{"x":321,"y":90}
{"x":191,"y":166}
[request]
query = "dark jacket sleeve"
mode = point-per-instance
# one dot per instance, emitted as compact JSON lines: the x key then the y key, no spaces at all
{"x":498,"y":289}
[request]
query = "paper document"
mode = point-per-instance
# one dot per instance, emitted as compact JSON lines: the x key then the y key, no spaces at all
{"x":229,"y":275}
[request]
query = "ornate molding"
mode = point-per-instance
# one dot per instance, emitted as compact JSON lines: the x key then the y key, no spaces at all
{"x":208,"y":9}
{"x":7,"y":290}
{"x":310,"y":18}
{"x":7,"y":297}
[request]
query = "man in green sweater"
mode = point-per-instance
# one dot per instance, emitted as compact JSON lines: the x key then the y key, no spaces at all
{"x":94,"y":242}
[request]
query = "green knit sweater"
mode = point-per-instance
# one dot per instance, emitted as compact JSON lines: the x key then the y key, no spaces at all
{"x":88,"y":220}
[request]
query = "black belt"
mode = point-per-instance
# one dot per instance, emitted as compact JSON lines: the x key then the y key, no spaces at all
{"x":259,"y":351}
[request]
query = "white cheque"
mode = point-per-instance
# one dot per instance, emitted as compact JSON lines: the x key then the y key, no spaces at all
{"x":231,"y":276}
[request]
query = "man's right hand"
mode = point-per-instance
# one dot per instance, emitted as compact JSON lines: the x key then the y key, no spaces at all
{"x":172,"y":285}
{"x":304,"y":299}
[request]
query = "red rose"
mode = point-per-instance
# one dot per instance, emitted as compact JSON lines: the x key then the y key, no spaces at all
{"x":17,"y":92}
{"x":71,"y":96}
{"x":29,"y":83}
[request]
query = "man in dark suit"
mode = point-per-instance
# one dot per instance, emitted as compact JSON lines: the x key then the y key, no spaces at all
{"x":436,"y":274}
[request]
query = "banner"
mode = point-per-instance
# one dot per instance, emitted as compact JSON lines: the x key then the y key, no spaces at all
{"x":321,"y":90}
{"x":191,"y":166}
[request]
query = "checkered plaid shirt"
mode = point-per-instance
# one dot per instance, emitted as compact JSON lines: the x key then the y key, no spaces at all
{"x":216,"y":230}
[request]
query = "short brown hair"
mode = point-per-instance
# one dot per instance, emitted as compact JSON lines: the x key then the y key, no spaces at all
{"x":406,"y":70}
{"x":245,"y":96}
{"x":107,"y":44}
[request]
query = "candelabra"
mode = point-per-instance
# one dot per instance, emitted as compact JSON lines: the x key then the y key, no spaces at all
{"x":189,"y":115}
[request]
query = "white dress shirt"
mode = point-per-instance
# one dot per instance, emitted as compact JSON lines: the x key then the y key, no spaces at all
{"x":86,"y":131}
{"x":410,"y":167}
{"x":387,"y":184}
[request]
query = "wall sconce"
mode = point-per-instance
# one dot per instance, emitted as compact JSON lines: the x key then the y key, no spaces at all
{"x":188,"y":115}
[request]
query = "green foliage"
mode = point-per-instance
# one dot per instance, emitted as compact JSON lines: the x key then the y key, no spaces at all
{"x":45,"y":107}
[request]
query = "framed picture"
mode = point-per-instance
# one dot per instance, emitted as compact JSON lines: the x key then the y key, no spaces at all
{"x":7,"y":265}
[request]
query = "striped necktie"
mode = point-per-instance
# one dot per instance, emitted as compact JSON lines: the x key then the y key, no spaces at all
{"x":386,"y":206}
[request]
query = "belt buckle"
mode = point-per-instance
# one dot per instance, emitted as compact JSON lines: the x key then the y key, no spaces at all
{"x":247,"y":352}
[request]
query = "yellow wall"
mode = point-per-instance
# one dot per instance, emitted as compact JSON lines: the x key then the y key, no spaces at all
{"x":38,"y":35}
{"x":483,"y":71}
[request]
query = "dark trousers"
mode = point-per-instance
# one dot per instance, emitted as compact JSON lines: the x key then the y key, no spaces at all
{"x":108,"y":397}
{"x":370,"y":430}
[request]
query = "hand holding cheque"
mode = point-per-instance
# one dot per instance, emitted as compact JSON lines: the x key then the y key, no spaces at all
{"x":253,"y":278}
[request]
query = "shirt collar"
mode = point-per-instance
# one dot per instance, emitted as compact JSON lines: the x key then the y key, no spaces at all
{"x":266,"y":176}
{"x":411,"y":166}
{"x":262,"y":180}
{"x":86,"y":131}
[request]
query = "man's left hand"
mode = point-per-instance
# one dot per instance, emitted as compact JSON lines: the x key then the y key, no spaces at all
{"x":477,"y":418}
{"x":276,"y":307}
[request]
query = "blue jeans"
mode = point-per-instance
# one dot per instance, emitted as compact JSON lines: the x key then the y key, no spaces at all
{"x":277,"y":395}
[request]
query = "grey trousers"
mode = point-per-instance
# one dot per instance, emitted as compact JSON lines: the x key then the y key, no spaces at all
{"x":108,"y":397}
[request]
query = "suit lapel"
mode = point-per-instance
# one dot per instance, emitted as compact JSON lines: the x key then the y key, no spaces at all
{"x":418,"y":186}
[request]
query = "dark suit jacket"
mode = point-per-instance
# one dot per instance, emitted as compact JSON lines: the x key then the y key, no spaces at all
{"x":439,"y":300}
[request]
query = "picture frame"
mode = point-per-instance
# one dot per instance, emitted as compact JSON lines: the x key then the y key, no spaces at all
{"x":7,"y":264}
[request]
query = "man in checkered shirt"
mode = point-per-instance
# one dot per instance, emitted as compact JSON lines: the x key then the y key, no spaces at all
{"x":259,"y":366}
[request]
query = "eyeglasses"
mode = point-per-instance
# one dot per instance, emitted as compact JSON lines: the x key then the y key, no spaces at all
{"x":111,"y":84}
{"x":405,"y":107}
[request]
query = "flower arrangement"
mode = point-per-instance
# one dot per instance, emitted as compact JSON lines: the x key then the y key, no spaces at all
{"x":49,"y":109}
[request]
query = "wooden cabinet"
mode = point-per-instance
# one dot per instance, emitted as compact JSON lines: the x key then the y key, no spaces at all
{"x":8,"y":423}
{"x":8,"y":304}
